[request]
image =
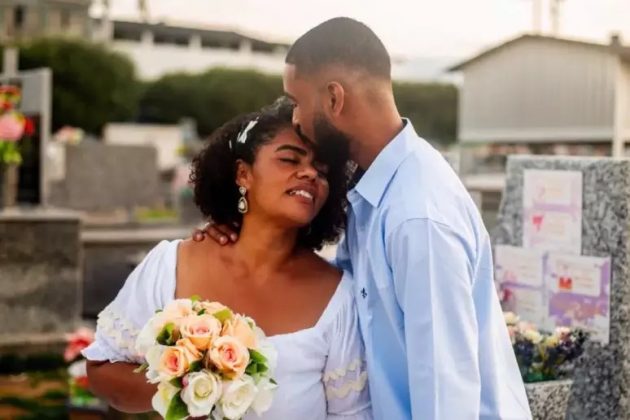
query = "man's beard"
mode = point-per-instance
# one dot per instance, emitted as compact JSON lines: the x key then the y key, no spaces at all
{"x":331,"y":145}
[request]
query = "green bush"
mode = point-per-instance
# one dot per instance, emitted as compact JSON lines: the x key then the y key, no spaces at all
{"x":431,"y":107}
{"x":211,"y":98}
{"x":91,"y":84}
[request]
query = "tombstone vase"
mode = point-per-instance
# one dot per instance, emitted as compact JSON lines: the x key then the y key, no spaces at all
{"x":8,"y":185}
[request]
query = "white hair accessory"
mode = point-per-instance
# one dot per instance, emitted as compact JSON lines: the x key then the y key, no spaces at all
{"x":242,"y":136}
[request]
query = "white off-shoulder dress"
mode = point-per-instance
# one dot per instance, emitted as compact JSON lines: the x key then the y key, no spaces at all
{"x":321,"y":370}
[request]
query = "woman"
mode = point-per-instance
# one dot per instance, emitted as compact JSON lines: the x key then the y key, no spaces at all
{"x":257,"y":173}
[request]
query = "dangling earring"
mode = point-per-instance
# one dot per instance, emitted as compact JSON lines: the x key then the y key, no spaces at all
{"x":243,"y":205}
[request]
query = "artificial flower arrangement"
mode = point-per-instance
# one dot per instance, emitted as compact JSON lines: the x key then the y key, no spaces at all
{"x":79,"y":391}
{"x":544,"y":356}
{"x":14,"y":126}
{"x":207,"y":361}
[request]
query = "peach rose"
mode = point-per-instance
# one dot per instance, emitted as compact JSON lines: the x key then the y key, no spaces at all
{"x":201,"y":330}
{"x":211,"y":308}
{"x":230,"y":356}
{"x":191,"y":352}
{"x":177,"y":309}
{"x":173,"y":362}
{"x":239,"y":328}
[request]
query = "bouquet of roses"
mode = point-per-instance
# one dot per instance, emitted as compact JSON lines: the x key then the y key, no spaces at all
{"x":207,"y":361}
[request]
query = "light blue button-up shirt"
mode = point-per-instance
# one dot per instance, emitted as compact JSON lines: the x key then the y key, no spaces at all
{"x":436,"y":341}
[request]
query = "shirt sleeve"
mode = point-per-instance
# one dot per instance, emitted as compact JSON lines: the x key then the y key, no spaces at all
{"x":345,"y":374}
{"x":119,"y":324}
{"x":432,"y":269}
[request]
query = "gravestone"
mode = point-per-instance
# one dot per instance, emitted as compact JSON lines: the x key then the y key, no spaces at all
{"x":40,"y":275}
{"x":601,"y":388}
{"x":104,"y":177}
{"x":36,"y":104}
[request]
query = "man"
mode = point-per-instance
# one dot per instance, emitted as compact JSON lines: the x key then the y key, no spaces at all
{"x":436,"y":342}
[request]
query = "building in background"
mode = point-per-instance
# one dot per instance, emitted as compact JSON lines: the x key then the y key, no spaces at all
{"x":539,"y":95}
{"x":24,"y":19}
{"x":157,"y":48}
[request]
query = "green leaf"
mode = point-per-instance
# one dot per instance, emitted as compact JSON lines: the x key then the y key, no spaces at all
{"x":195,"y":298}
{"x":252,"y":368}
{"x":223,"y":315}
{"x":157,"y":311}
{"x":176,"y":409}
{"x":257,"y":356}
{"x":273,"y":381}
{"x":166,"y":337}
{"x":201,"y":312}
{"x":176,"y":382}
{"x":141,"y":368}
{"x":195,"y":366}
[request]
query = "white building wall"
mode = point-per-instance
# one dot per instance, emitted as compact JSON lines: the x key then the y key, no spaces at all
{"x":539,"y":90}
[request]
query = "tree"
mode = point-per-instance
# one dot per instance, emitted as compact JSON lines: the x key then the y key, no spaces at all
{"x":91,"y":84}
{"x":211,"y":98}
{"x":431,"y":107}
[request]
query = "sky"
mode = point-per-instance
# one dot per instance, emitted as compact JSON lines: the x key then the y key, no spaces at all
{"x":409,"y":28}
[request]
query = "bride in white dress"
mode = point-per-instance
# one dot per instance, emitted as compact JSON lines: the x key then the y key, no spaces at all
{"x":257,"y":173}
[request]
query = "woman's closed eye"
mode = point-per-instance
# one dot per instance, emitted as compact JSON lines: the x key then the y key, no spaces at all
{"x":290,"y":160}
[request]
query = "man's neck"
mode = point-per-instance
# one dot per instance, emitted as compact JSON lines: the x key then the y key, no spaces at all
{"x":374,"y":137}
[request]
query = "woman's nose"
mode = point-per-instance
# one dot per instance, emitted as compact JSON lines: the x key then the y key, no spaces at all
{"x":308,"y":171}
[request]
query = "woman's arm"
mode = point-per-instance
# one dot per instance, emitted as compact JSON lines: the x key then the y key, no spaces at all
{"x":120,"y":386}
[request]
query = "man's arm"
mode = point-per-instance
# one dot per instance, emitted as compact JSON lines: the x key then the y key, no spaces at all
{"x":432,"y":269}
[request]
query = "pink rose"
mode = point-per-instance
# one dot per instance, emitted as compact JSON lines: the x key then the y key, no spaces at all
{"x":229,"y":356}
{"x":11,"y":127}
{"x":77,"y":341}
{"x":173,"y":362}
{"x":201,"y":330}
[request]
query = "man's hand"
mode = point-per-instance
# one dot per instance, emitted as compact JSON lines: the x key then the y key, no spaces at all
{"x":222,"y":234}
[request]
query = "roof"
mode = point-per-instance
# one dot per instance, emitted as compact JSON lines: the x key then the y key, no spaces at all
{"x":615,"y":48}
{"x":224,"y":35}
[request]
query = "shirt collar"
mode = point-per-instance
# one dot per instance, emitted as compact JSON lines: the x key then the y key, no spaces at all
{"x":377,"y":177}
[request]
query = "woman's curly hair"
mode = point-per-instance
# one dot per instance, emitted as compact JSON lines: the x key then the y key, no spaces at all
{"x":213,"y":174}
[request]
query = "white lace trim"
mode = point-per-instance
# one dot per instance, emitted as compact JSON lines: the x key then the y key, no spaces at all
{"x":341,"y":372}
{"x":343,"y":391}
{"x":121,"y":331}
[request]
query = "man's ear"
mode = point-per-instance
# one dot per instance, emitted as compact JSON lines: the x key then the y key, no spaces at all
{"x":335,"y":98}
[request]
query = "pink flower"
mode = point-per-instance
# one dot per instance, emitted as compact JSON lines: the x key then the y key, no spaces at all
{"x":11,"y":127}
{"x":77,"y":341}
{"x":201,"y":330}
{"x":229,"y":356}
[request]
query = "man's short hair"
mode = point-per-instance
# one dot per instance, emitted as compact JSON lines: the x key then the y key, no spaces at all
{"x":340,"y":41}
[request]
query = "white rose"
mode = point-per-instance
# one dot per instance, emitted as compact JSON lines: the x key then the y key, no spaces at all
{"x":153,"y":355}
{"x":238,"y":396}
{"x":78,"y":369}
{"x":264,"y":398}
{"x":162,"y":398}
{"x":201,"y":392}
{"x":147,"y":336}
{"x":511,"y":318}
{"x":533,"y":336}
